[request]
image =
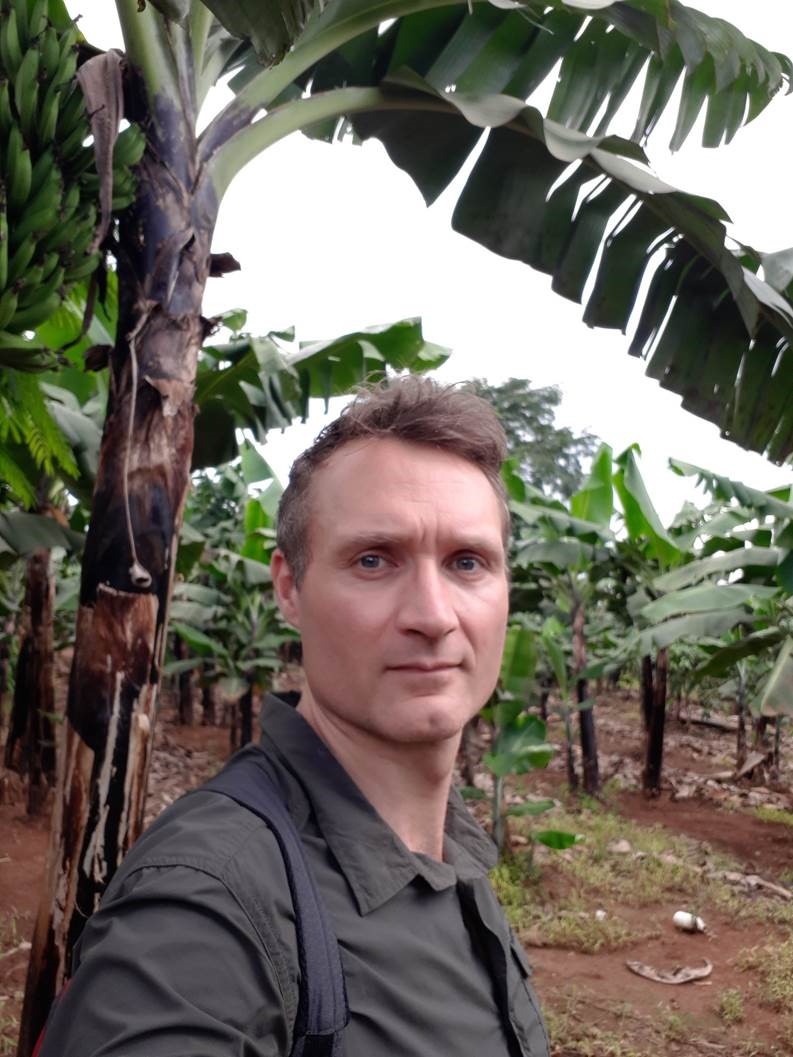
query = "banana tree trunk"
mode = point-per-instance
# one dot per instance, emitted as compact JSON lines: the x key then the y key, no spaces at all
{"x":740,"y":711}
{"x":6,"y":635}
{"x":586,"y":718}
{"x":655,"y":734}
{"x":142,"y":480}
{"x":246,"y":716}
{"x":185,"y":682}
{"x":208,"y":704}
{"x":30,"y":748}
{"x":647,"y":691}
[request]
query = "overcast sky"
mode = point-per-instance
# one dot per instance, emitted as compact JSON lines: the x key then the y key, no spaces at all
{"x":332,"y":238}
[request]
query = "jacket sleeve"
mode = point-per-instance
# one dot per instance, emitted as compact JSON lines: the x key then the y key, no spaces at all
{"x":173,"y":965}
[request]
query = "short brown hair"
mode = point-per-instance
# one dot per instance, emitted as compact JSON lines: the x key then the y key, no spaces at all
{"x":419,"y":410}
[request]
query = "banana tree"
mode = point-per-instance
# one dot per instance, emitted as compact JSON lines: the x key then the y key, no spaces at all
{"x":428,"y":84}
{"x":749,"y":541}
{"x":566,"y":546}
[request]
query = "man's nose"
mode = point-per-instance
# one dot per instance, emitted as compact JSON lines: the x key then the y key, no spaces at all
{"x":426,"y":604}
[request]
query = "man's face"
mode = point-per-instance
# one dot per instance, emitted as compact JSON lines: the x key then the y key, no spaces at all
{"x":403,"y":606}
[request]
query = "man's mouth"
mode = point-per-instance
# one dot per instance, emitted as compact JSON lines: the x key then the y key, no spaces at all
{"x":435,"y":666}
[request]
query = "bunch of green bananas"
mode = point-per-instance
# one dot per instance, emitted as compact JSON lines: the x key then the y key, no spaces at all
{"x":48,"y":179}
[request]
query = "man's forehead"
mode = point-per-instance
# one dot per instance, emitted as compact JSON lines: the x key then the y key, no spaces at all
{"x":380,"y":486}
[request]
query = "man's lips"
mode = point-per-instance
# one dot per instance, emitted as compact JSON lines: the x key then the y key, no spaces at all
{"x":426,"y":668}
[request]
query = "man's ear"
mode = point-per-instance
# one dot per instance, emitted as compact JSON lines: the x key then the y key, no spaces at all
{"x":285,"y":588}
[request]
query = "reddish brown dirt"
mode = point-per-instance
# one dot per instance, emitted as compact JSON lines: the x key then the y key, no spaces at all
{"x":766,"y":848}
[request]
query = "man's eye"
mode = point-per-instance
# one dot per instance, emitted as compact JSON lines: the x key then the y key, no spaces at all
{"x":370,"y":561}
{"x":467,"y":563}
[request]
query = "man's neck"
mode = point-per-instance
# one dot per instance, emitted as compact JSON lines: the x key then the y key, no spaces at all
{"x":407,"y":784}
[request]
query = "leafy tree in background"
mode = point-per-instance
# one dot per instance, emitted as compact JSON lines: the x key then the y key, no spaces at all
{"x":550,"y":458}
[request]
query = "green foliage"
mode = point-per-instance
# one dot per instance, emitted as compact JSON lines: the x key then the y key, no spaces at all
{"x":263,"y":383}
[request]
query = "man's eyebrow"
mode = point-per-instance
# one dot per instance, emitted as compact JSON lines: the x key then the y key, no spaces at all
{"x":373,"y":538}
{"x":383,"y":538}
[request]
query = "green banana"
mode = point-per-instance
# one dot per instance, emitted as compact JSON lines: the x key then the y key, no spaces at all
{"x":37,"y":20}
{"x":67,"y":66}
{"x":71,"y":201}
{"x":30,"y":280}
{"x":129,"y":147}
{"x":50,"y":193}
{"x":3,"y":242}
{"x":20,"y":259}
{"x":6,"y":116}
{"x":22,"y":24}
{"x":74,"y":236}
{"x":10,"y":50}
{"x":48,"y":115}
{"x":19,"y":170}
{"x":50,"y":48}
{"x":35,"y":315}
{"x":49,"y":262}
{"x":26,"y":92}
{"x":83,"y":269}
{"x":8,"y":306}
{"x":42,"y":165}
{"x":72,"y":146}
{"x":43,"y":289}
{"x":72,"y":113}
{"x":40,"y":221}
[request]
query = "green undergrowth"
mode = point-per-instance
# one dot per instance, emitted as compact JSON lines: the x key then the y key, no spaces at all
{"x":771,"y":966}
{"x":766,"y":813}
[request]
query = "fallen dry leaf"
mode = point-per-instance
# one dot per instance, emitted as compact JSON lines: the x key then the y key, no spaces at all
{"x":684,"y":974}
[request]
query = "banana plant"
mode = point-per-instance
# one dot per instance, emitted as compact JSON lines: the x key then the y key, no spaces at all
{"x":519,"y":742}
{"x":567,"y":547}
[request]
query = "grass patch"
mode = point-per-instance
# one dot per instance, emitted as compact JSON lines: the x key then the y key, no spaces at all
{"x":579,"y":931}
{"x":766,"y":813}
{"x":729,"y":1006}
{"x":772,"y":965}
{"x":574,"y":1030}
{"x":658,"y":864}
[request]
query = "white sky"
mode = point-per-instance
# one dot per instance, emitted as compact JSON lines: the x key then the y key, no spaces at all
{"x":333,"y":238}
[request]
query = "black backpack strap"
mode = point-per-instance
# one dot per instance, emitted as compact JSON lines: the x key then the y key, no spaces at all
{"x":322,"y":1011}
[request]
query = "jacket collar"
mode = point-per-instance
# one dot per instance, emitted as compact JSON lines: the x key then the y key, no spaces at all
{"x":375,"y":862}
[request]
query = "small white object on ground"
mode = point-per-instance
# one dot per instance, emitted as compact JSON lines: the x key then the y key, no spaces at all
{"x":688,"y":922}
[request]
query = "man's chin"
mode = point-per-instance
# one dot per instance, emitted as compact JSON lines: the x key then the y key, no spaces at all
{"x":431,"y":720}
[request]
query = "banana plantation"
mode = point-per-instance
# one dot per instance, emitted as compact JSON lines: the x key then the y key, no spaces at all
{"x":138,"y":625}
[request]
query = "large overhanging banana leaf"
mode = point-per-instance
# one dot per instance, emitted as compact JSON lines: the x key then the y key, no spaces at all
{"x":541,"y":191}
{"x":513,"y":48}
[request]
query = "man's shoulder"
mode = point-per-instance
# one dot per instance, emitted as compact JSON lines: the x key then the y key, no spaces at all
{"x":210,"y":833}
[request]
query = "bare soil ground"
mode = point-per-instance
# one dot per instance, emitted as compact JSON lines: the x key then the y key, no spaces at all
{"x":708,"y":845}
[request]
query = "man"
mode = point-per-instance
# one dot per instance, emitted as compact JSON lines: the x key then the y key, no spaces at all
{"x":391,"y":564}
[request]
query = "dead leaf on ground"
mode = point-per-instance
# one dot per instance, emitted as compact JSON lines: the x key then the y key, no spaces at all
{"x":683,"y":974}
